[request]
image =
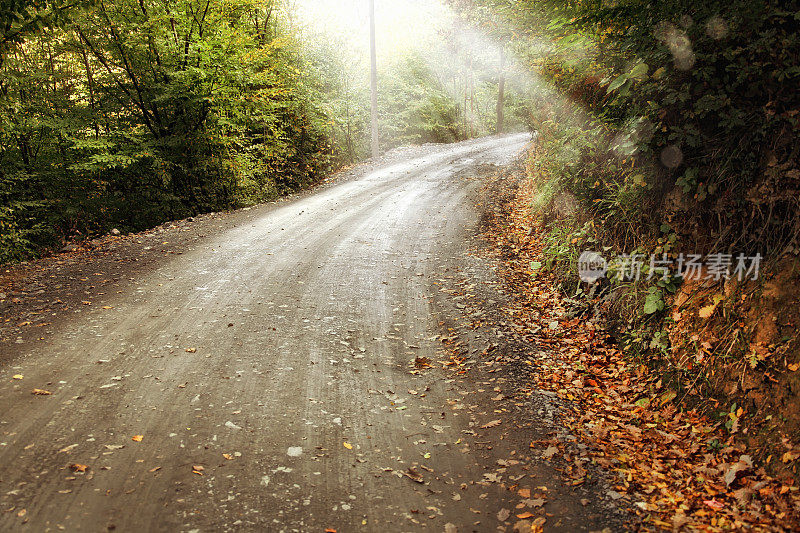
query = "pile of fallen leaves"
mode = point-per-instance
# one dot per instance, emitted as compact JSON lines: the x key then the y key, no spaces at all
{"x":679,"y":469}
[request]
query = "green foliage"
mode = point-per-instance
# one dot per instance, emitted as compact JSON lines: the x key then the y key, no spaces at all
{"x":654,"y":302}
{"x":417,"y":107}
{"x":21,"y":18}
{"x":129,"y":113}
{"x":19,"y":225}
{"x":675,"y":111}
{"x":338,"y":81}
{"x":670,"y":127}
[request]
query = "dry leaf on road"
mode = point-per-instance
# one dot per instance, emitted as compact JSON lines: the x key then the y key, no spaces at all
{"x":413,"y":475}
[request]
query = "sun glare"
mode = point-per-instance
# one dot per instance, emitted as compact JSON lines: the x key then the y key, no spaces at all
{"x":401,"y":25}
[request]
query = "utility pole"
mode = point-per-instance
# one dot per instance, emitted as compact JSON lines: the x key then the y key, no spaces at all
{"x":374,"y":79}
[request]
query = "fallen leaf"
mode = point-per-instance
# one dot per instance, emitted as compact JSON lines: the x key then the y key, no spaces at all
{"x":77,"y":467}
{"x":227,"y":456}
{"x":744,"y":464}
{"x":526,"y":514}
{"x":714,"y":504}
{"x":17,"y":376}
{"x":492,"y":424}
{"x":550,"y":452}
{"x":137,"y":438}
{"x":41,"y":392}
{"x":794,"y":367}
{"x":347,"y":445}
{"x":156,"y":469}
{"x":525,"y":493}
{"x":413,"y":475}
{"x":422,"y":362}
{"x":191,"y":350}
{"x":503,"y":514}
{"x":679,"y":520}
{"x":708,"y":310}
{"x":789,"y":456}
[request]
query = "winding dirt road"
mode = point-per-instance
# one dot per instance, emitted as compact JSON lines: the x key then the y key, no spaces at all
{"x":269,"y":372}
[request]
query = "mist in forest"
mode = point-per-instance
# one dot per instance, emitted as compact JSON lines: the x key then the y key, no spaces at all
{"x":440,"y":78}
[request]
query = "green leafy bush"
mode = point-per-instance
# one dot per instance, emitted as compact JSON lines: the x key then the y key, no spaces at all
{"x":130,"y":113}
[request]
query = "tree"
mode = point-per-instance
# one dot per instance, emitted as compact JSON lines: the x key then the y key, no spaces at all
{"x":21,"y":18}
{"x":136,"y":111}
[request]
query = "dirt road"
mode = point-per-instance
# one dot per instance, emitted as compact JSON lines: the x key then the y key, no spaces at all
{"x":265,"y":378}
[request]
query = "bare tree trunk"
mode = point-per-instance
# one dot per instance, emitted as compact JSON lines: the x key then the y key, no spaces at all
{"x":471,"y":91}
{"x":373,"y":79}
{"x":90,"y":86}
{"x":501,"y":95}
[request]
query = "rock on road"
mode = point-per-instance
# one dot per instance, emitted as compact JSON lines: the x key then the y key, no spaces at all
{"x":267,"y":372}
